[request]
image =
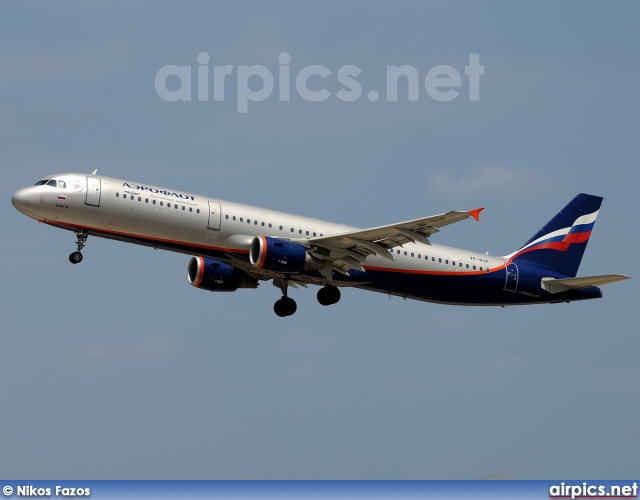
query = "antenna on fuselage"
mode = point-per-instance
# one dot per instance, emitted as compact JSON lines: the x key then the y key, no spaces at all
{"x":94,"y":172}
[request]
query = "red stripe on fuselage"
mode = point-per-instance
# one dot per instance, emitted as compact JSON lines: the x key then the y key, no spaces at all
{"x":146,"y":238}
{"x":433,"y":273}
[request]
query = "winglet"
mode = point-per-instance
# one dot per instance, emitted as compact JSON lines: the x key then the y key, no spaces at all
{"x":476,"y":213}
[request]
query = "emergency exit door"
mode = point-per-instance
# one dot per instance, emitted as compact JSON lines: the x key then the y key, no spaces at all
{"x":214,"y":215}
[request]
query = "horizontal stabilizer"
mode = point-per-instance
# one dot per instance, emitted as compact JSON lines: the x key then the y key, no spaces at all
{"x":553,"y":285}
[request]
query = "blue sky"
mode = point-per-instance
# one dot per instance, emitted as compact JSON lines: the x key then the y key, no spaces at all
{"x":117,"y":368}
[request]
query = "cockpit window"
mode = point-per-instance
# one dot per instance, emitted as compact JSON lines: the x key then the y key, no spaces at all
{"x":52,"y":183}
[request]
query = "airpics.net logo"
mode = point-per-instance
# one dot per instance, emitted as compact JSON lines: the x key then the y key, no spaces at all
{"x":257,"y":83}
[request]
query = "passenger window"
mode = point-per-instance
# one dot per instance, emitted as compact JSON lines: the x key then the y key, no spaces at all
{"x":411,"y":254}
{"x":405,"y":252}
{"x":241,"y":219}
{"x":234,"y":217}
{"x":255,"y":223}
{"x":453,"y":262}
{"x":124,"y":196}
{"x":161,"y":203}
{"x":292,"y":230}
{"x":183,"y":207}
{"x":440,"y":261}
{"x":299,"y":231}
{"x":139,"y":198}
{"x":226,"y":216}
{"x":117,"y":195}
{"x":197,"y":210}
{"x":474,"y":268}
{"x":280,"y":228}
{"x":191,"y":210}
{"x":146,"y":200}
{"x":248,"y":221}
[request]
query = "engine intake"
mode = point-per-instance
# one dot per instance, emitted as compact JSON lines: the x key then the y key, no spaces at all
{"x":282,"y":256}
{"x":216,"y":276}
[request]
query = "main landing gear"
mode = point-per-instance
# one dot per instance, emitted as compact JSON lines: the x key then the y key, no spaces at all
{"x":286,"y":306}
{"x":76,"y":257}
{"x":328,"y":295}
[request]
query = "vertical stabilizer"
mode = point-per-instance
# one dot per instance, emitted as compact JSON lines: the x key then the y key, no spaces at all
{"x":561,"y":243}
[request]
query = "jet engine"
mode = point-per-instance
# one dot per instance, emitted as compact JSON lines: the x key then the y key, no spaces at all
{"x":280,"y":256}
{"x":216,"y":276}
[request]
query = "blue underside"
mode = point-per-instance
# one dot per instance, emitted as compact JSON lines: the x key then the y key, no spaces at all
{"x":454,"y":288}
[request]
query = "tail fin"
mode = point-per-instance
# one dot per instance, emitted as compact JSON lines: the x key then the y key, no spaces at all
{"x":561,"y":243}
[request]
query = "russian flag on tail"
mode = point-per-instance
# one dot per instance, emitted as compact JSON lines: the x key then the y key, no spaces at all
{"x":561,"y":243}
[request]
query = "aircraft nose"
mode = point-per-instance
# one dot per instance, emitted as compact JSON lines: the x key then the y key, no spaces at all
{"x":21,"y":199}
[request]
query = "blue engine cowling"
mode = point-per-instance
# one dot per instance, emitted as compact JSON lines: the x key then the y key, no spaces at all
{"x":280,"y":256}
{"x":216,"y":276}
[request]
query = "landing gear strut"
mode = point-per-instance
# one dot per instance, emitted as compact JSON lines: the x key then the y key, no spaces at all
{"x":328,"y":295}
{"x":76,"y":257}
{"x":286,"y":306}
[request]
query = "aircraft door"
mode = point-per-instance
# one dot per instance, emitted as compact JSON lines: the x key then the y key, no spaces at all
{"x":93,"y":191}
{"x":511,"y":282}
{"x":214,"y":215}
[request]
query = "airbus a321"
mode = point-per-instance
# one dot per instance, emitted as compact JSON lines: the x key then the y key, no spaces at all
{"x":238,"y":246}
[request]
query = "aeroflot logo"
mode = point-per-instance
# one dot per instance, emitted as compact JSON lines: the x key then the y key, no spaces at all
{"x":157,"y":191}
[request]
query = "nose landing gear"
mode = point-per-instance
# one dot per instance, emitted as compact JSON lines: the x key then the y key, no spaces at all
{"x":76,"y":257}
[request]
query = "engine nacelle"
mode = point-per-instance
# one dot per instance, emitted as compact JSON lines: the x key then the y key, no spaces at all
{"x":280,"y":256}
{"x":216,"y":276}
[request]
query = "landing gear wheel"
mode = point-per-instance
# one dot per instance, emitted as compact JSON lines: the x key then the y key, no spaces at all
{"x":75,"y":258}
{"x":285,"y":307}
{"x":328,"y":295}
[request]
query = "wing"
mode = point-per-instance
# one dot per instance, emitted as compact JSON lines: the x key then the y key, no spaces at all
{"x":349,"y":250}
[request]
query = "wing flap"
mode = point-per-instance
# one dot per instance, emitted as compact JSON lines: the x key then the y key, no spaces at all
{"x":349,"y":250}
{"x":553,"y":285}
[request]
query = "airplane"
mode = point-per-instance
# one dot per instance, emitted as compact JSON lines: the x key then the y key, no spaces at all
{"x":238,"y":246}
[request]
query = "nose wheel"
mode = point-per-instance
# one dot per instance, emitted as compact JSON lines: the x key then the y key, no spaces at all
{"x":76,"y":257}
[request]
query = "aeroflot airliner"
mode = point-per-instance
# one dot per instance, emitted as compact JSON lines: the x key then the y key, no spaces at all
{"x":238,"y":246}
